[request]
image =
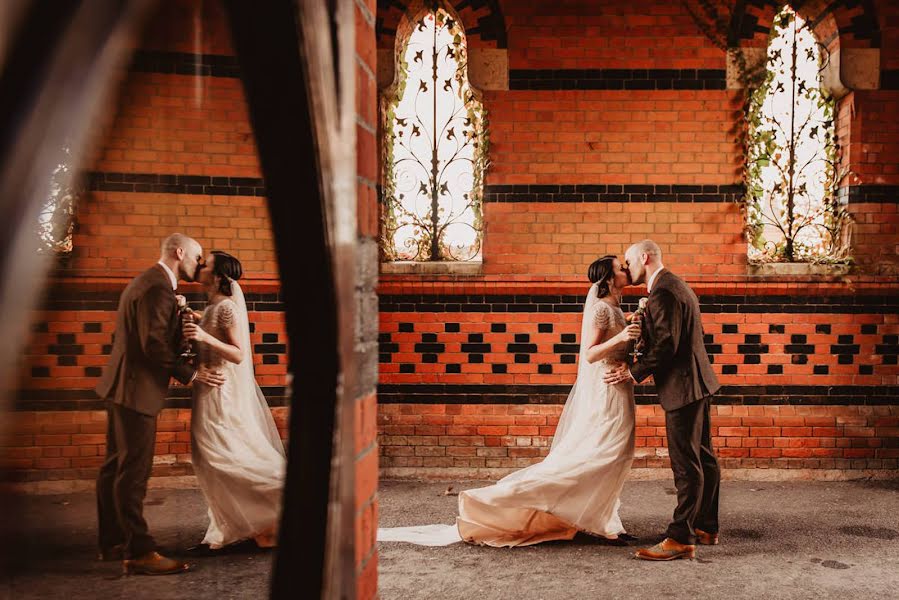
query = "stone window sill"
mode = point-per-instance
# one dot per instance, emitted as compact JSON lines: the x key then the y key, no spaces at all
{"x":799,"y":271}
{"x":432,"y":268}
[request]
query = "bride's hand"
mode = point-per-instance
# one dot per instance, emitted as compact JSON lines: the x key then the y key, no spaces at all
{"x":209,"y":377}
{"x":631,"y":332}
{"x":194,"y":332}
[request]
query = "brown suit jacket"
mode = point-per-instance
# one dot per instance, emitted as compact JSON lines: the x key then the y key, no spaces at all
{"x":674,"y":349}
{"x":145,"y":346}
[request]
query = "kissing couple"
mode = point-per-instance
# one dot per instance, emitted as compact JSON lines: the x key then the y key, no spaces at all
{"x":577,"y":487}
{"x":237,"y":454}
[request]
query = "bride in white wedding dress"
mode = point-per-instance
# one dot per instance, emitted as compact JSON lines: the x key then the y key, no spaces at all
{"x":237,"y":454}
{"x":577,"y":486}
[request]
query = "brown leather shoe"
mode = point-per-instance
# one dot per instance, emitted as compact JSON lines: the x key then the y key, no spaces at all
{"x":705,"y":538}
{"x":667,"y":549}
{"x":153,"y":563}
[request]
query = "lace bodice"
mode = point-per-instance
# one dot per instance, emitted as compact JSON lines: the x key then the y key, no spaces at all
{"x":610,"y":320}
{"x":216,"y":321}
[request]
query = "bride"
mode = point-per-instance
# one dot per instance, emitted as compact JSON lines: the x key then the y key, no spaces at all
{"x":236,"y":451}
{"x":577,"y":486}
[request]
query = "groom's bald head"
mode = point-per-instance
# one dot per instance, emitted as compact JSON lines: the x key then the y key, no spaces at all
{"x":182,"y":254}
{"x":641,"y":256}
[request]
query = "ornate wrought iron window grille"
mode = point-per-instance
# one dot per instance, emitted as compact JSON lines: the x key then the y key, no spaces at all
{"x":435,"y":148}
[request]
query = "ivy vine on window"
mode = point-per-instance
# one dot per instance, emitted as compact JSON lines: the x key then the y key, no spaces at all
{"x":435,"y":148}
{"x":793,"y":171}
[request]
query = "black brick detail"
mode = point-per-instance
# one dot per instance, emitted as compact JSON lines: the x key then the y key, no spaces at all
{"x":752,"y":338}
{"x":545,"y":327}
{"x":476,"y":338}
{"x":545,"y":369}
{"x":453,"y":368}
{"x":775,"y":369}
{"x":272,"y":359}
{"x":40,"y":371}
{"x":526,"y":348}
{"x":752,"y":348}
{"x":845,"y":339}
{"x":617,"y":79}
{"x":752,"y":359}
{"x":822,"y":329}
{"x":798,"y":338}
{"x":801,"y":395}
{"x":407,"y":368}
{"x":569,"y":338}
{"x":799,"y":359}
{"x":429,"y":337}
{"x":498,"y":328}
{"x":430,"y":348}
{"x":771,"y":328}
{"x":451,"y":327}
{"x":569,"y":359}
{"x":476,"y":348}
{"x":522,"y":338}
{"x":522,"y":358}
{"x":587,"y":193}
{"x":498,"y":368}
{"x":270,"y":348}
{"x":866,"y":369}
{"x":269,"y":338}
{"x":92,"y":328}
{"x":869,"y":329}
{"x":566,"y":348}
{"x":93,"y":371}
{"x":65,"y":349}
{"x":428,"y":358}
{"x":406,"y":328}
{"x":799,"y":348}
{"x":182,"y":63}
{"x":475,"y":358}
{"x":729,"y":369}
{"x":844,"y":348}
{"x":175,"y":184}
{"x":66,"y":361}
{"x":821,"y":369}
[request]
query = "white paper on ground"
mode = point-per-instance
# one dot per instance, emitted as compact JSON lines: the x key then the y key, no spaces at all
{"x":422,"y":535}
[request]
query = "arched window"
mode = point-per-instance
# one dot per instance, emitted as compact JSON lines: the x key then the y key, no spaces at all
{"x":793,"y":213}
{"x":56,"y":221}
{"x":434,"y":146}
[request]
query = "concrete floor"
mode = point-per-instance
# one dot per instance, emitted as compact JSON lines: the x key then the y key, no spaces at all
{"x":778,"y":540}
{"x":57,"y":550}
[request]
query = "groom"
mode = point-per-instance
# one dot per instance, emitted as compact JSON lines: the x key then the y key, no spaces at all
{"x":675,"y":355}
{"x":135,"y":383}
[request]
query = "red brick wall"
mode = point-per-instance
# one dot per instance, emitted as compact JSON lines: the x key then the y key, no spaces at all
{"x":474,"y":369}
{"x":367,"y":216}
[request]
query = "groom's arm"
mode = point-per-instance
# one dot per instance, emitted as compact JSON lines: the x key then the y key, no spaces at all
{"x":667,"y":316}
{"x":154,"y":322}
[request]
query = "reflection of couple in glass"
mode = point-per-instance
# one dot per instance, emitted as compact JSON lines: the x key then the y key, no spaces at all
{"x":237,"y":454}
{"x":578,"y":485}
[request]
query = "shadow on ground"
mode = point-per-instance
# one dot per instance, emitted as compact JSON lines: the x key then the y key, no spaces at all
{"x":778,"y":540}
{"x":54,"y":555}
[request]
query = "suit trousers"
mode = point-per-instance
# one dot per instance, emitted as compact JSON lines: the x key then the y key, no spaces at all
{"x":697,"y":475}
{"x":122,"y":483}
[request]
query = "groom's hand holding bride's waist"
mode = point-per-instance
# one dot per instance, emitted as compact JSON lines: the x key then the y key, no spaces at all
{"x":210,"y":377}
{"x":619,"y":374}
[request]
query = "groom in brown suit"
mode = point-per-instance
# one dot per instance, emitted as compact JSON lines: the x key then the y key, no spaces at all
{"x":135,"y":383}
{"x":674,"y":354}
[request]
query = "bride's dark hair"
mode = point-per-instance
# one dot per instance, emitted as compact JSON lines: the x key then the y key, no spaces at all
{"x":227,"y":268}
{"x":602,"y":271}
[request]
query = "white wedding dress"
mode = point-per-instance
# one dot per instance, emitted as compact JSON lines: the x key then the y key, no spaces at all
{"x":577,"y":486}
{"x":237,"y":454}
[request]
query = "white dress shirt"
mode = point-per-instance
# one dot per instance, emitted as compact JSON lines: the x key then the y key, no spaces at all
{"x":653,"y":278}
{"x":171,"y":275}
